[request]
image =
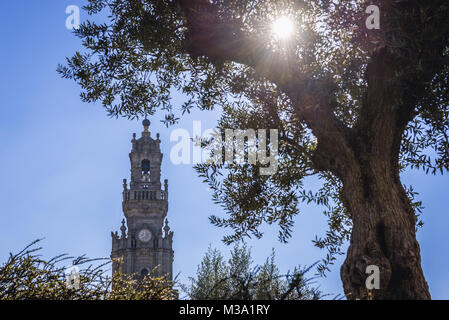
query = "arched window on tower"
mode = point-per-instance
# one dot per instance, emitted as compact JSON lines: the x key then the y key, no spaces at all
{"x":145,"y":166}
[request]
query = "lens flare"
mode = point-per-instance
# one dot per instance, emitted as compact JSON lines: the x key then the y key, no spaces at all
{"x":283,"y":27}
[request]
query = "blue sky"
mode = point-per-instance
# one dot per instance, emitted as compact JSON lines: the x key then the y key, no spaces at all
{"x":62,"y":164}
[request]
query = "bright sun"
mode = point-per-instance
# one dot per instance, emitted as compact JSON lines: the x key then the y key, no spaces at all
{"x":282,"y":27}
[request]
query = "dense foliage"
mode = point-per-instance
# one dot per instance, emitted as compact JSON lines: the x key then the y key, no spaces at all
{"x":28,"y":276}
{"x":239,"y":279}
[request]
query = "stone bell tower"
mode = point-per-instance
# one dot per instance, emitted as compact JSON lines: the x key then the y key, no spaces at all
{"x":145,"y":241}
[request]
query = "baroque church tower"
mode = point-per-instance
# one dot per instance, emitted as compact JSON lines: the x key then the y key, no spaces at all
{"x":145,"y":241}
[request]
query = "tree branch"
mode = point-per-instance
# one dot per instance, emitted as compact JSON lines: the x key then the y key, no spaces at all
{"x":224,"y":41}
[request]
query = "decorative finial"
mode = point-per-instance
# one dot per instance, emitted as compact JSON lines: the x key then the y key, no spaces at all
{"x":125,"y":184}
{"x":146,"y":124}
{"x":123,"y":229}
{"x":166,"y":227}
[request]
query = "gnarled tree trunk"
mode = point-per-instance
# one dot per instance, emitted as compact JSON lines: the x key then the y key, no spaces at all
{"x":383,"y":235}
{"x":384,"y":221}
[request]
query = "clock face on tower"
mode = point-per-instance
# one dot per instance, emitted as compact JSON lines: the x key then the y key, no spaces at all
{"x":145,"y":235}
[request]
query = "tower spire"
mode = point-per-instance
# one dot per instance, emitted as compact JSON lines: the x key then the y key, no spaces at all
{"x":142,"y":245}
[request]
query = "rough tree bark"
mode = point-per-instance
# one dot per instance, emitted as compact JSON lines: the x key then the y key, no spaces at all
{"x":383,"y":234}
{"x":384,"y":221}
{"x":365,"y":158}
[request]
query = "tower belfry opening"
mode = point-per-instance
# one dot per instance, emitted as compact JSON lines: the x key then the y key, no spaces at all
{"x":146,"y":240}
